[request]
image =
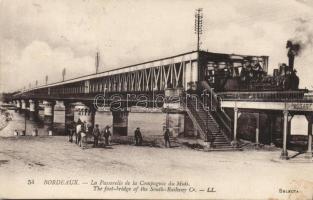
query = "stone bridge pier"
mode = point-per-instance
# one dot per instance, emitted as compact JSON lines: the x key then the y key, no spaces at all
{"x":175,"y":122}
{"x":18,"y":106}
{"x":49,"y":113}
{"x":175,"y":119}
{"x":69,"y":115}
{"x":23,"y":105}
{"x":25,"y":108}
{"x":120,"y":122}
{"x":33,"y":110}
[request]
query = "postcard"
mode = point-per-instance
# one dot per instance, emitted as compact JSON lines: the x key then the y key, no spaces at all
{"x":106,"y":99}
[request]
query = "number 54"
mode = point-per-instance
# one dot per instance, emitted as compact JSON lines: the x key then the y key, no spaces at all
{"x":30,"y":181}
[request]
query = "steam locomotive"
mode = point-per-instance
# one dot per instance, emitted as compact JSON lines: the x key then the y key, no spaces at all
{"x":241,"y":73}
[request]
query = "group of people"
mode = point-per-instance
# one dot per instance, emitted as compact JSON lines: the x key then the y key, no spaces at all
{"x":251,"y":72}
{"x":81,"y":130}
{"x":138,"y":138}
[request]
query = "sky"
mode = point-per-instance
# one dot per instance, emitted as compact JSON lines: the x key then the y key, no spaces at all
{"x":42,"y":37}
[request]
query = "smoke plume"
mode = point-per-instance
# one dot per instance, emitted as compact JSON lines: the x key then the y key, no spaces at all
{"x":303,"y":38}
{"x":301,"y":45}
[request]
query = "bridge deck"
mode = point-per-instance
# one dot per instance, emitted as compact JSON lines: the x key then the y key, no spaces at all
{"x":269,"y":100}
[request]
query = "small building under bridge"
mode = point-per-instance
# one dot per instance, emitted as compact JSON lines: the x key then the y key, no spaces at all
{"x":203,"y":94}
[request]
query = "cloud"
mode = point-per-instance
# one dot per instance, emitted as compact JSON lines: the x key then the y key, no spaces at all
{"x":37,"y":60}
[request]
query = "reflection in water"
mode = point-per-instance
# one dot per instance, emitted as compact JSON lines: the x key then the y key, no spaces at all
{"x":149,"y":123}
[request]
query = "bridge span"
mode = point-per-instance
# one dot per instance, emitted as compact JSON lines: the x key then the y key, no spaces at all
{"x":176,"y":85}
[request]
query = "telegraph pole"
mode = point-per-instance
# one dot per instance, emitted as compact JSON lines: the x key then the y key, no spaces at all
{"x":47,"y":79}
{"x":63,"y":74}
{"x":97,"y":62}
{"x":198,"y":26}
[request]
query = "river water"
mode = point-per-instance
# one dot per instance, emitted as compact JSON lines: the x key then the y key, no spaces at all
{"x":149,"y":123}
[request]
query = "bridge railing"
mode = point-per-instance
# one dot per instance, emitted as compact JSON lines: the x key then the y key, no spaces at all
{"x":264,"y":96}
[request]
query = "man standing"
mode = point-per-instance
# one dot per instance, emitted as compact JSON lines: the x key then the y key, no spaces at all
{"x":167,"y":138}
{"x":83,"y":135}
{"x":106,"y":135}
{"x":138,"y":137}
{"x":78,"y":130}
{"x":96,"y":134}
{"x":71,"y":130}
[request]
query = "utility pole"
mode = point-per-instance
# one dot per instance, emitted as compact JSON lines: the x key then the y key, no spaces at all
{"x":97,"y":62}
{"x":47,"y":79}
{"x":198,"y":26}
{"x":63,"y":74}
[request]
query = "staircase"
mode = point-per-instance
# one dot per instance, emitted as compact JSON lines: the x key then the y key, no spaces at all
{"x":204,"y":120}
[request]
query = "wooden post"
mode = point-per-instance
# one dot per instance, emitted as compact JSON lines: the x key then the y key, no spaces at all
{"x":235,"y":142}
{"x":257,"y":130}
{"x":284,"y":153}
{"x":308,"y":154}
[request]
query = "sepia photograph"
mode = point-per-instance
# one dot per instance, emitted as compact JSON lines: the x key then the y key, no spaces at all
{"x":143,"y":99}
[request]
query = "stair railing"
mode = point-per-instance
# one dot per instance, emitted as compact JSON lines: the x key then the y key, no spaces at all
{"x":192,"y":113}
{"x":214,"y":101}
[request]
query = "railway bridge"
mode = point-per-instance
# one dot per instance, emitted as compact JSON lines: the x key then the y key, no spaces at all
{"x":185,"y":87}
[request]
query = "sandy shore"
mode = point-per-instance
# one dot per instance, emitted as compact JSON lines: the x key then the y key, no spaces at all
{"x":249,"y":174}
